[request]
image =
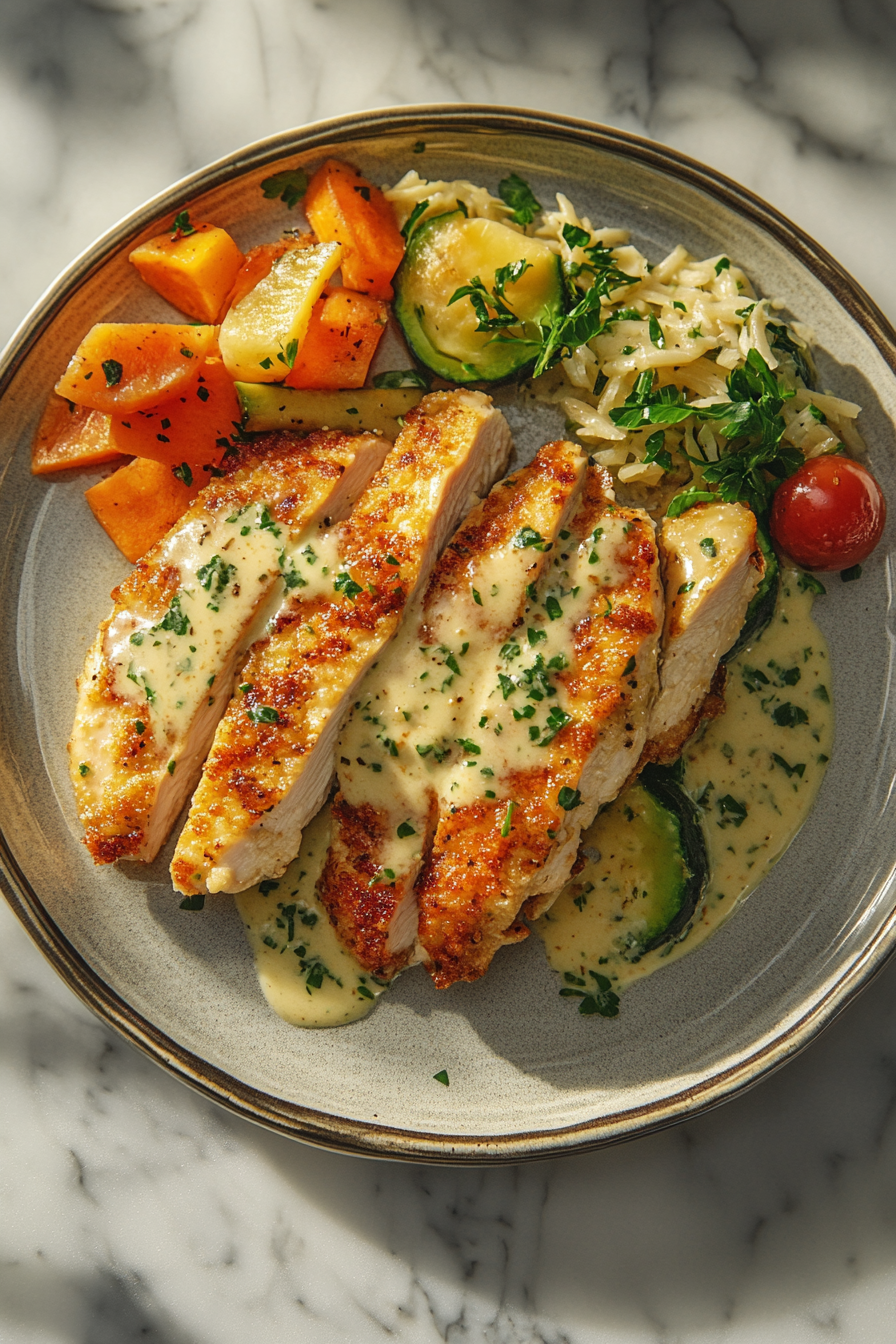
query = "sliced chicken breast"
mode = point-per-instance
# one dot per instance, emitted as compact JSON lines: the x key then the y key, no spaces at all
{"x":411,"y":723}
{"x":160,"y":671}
{"x":561,"y":727}
{"x":712,"y":566}
{"x":272,"y":759}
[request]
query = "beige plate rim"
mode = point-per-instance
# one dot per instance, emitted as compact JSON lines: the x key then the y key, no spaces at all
{"x":303,"y":1123}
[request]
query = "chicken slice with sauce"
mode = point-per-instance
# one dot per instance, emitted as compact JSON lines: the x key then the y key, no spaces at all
{"x":412,"y":720}
{"x":712,"y":566}
{"x":561,"y":727}
{"x":160,"y":671}
{"x":272,"y":759}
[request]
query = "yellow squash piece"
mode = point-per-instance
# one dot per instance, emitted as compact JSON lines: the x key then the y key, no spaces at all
{"x":195,"y":271}
{"x":261,"y":334}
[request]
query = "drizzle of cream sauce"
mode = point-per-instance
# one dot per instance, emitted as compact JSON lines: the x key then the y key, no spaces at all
{"x":229,"y":593}
{"x":307,"y":976}
{"x":771,"y":767}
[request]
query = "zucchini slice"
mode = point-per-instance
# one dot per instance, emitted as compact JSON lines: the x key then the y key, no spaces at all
{"x":268,"y":406}
{"x":450,"y":251}
{"x":764,"y":600}
{"x":644,"y":872}
{"x":676,"y":845}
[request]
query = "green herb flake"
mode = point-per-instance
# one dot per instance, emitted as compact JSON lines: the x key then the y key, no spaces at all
{"x":442,"y":1077}
{"x":405,"y":830}
{"x":181,"y":228}
{"x":183,"y":473}
{"x":505,"y":827}
{"x":83,"y":769}
{"x":708,"y":547}
{"x":113,"y":371}
{"x":569,"y":798}
{"x":789,"y":770}
{"x":288,"y":186}
{"x":516,"y":192}
{"x":263,"y":714}
{"x":789,"y":716}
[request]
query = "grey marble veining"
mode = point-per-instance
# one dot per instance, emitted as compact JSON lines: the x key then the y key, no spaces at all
{"x":134,"y":1210}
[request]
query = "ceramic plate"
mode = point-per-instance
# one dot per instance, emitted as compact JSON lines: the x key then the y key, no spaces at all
{"x":529,"y":1076}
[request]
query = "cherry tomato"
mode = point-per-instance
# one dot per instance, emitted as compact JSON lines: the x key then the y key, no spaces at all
{"x":829,"y":515}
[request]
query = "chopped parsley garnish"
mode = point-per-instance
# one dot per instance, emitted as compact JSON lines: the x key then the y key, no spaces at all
{"x":288,"y":186}
{"x":708,"y":547}
{"x":506,"y":825}
{"x":405,"y":830}
{"x":655,"y":450}
{"x":345,"y":584}
{"x":569,"y":798}
{"x":476,"y":597}
{"x":789,"y":716}
{"x":553,"y":608}
{"x":686,"y":587}
{"x":516,"y":192}
{"x":733,"y":812}
{"x":469,"y":746}
{"x":174,"y":620}
{"x":442,"y":1077}
{"x":215,"y":576}
{"x":83,"y":768}
{"x":601,"y":1000}
{"x":789,"y":770}
{"x":263,"y":714}
{"x":181,"y":227}
{"x":413,"y":219}
{"x":527,"y":536}
{"x":183,"y":473}
{"x":113,"y":371}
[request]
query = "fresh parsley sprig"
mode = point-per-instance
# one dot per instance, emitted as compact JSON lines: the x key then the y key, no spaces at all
{"x":750,"y":421}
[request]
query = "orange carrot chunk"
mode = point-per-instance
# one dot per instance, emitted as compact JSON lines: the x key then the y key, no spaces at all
{"x":127,"y":366}
{"x":70,"y":436}
{"x":193,"y":427}
{"x":343,"y":333}
{"x":193,"y":267}
{"x":139,"y":503}
{"x":343,"y":207}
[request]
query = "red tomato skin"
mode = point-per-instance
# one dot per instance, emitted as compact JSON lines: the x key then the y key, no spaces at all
{"x":829,"y":514}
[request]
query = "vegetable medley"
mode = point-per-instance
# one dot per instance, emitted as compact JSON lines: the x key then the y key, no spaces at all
{"x":682,"y":382}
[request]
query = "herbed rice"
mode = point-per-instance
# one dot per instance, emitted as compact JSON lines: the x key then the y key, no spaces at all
{"x":708,"y":318}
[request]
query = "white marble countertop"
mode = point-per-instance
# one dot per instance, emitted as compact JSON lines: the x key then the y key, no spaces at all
{"x":134,"y":1210}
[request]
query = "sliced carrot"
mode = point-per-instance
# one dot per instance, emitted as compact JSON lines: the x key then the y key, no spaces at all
{"x":139,"y":503}
{"x":70,"y":436}
{"x":195,"y":271}
{"x":192,"y":427}
{"x":343,"y":333}
{"x":343,"y":207}
{"x":258,"y":263}
{"x":127,"y":366}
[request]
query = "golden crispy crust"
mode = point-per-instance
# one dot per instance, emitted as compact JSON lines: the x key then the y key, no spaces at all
{"x":362,"y":909}
{"x":116,"y":796}
{"x":474,"y":884}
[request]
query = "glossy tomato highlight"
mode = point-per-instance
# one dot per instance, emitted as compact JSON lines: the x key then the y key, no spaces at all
{"x":829,"y":515}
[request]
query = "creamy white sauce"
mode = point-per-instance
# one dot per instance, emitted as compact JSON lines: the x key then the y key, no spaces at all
{"x":755,"y":772}
{"x":235,"y":576}
{"x":307,"y":976}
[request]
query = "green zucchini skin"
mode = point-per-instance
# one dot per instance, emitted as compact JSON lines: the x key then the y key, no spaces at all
{"x":764,"y":600}
{"x":688,"y":868}
{"x":425,"y":282}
